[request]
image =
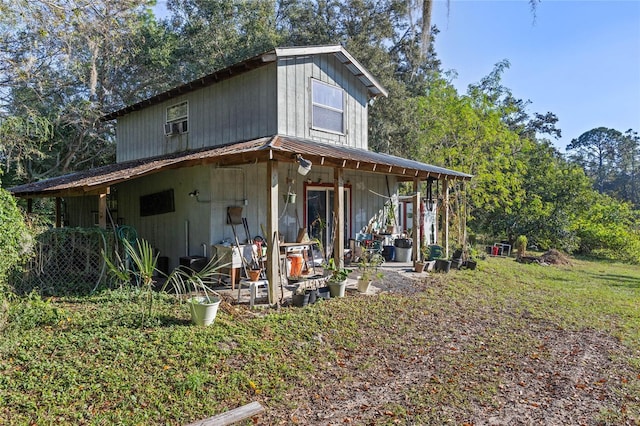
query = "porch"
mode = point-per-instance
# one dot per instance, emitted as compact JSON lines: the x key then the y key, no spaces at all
{"x":251,"y":175}
{"x":285,"y":291}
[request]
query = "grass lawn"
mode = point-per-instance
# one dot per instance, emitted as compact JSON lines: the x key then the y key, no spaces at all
{"x":462,"y":347}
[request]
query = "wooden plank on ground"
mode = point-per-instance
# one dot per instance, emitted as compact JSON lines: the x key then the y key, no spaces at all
{"x":232,"y":416}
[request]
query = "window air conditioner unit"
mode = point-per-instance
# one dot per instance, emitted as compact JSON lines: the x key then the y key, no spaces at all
{"x":182,"y":126}
{"x":168,"y":129}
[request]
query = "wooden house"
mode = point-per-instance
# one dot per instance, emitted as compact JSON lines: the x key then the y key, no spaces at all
{"x":289,"y":121}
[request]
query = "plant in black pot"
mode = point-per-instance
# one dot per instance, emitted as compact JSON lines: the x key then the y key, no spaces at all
{"x":300,"y":298}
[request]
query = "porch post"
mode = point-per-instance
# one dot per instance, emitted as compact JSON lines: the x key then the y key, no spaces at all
{"x":445,"y":206}
{"x":273,"y":250}
{"x":338,"y":220}
{"x":58,"y":212}
{"x":102,"y":209}
{"x":417,"y":222}
{"x":29,"y":205}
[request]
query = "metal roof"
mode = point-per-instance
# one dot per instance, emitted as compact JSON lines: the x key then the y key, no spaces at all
{"x":278,"y":147}
{"x":361,"y":159}
{"x":372,"y":85}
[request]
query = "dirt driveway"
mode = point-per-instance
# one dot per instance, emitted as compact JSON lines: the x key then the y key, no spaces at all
{"x":464,"y":364}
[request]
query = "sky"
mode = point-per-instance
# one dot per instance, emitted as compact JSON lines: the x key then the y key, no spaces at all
{"x":577,"y":59}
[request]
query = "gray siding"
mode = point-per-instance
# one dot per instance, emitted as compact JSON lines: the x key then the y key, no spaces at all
{"x":294,"y":99}
{"x":237,"y":109}
{"x":275,"y":98}
{"x":219,"y":188}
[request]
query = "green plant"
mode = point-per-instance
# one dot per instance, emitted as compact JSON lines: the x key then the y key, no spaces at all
{"x":521,"y":245}
{"x":32,"y":311}
{"x":142,"y":269}
{"x":425,"y":251}
{"x":186,"y":281}
{"x":15,"y":238}
{"x":337,"y":274}
{"x":390,"y":212}
{"x":368,"y":266}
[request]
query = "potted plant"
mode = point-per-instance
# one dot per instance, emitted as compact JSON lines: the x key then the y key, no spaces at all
{"x":419,"y":264}
{"x":471,"y":262}
{"x":337,"y":278}
{"x":442,"y":265}
{"x":203,"y":302}
{"x":456,"y":259}
{"x":368,"y":267}
{"x":300,"y":297}
{"x":254,"y":274}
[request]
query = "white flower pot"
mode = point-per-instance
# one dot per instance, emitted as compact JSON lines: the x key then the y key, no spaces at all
{"x":204,"y":309}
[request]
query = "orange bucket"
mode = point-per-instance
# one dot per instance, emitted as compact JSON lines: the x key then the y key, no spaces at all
{"x":296,"y":264}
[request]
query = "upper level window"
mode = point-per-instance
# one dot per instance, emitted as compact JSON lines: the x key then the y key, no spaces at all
{"x":328,"y":107}
{"x":177,"y":118}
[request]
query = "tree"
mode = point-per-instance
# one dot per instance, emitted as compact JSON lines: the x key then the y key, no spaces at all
{"x":213,"y":34}
{"x":627,"y":178}
{"x":67,"y":68}
{"x":595,"y":151}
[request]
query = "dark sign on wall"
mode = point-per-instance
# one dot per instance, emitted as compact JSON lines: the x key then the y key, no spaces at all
{"x":157,"y":203}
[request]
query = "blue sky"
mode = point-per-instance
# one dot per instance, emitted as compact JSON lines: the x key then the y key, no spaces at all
{"x":579,"y":59}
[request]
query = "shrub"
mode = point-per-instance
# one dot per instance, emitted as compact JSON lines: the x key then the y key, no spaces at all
{"x":521,"y":245}
{"x":606,"y":230}
{"x":15,"y":239}
{"x":32,"y":311}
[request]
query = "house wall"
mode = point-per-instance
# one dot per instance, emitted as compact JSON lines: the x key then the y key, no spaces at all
{"x":80,"y":211}
{"x":220,"y":187}
{"x":275,"y":98}
{"x":294,"y":99}
{"x":236,"y":109}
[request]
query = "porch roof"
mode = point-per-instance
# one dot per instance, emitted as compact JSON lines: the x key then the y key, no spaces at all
{"x":282,"y":148}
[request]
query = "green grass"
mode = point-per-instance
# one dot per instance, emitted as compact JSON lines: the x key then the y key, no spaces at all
{"x":88,"y":361}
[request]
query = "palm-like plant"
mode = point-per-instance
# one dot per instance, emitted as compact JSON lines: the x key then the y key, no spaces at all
{"x":185,"y":281}
{"x":144,"y":268}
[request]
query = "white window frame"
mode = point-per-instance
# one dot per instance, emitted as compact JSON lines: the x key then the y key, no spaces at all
{"x":327,"y":107}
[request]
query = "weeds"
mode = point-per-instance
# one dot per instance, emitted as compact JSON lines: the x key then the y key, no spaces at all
{"x":462,"y":341}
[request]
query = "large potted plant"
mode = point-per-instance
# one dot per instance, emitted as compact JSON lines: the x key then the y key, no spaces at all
{"x":337,"y":281}
{"x":368,"y":268}
{"x":194,"y":285}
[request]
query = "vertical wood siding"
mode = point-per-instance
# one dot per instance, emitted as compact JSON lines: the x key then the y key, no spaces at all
{"x":221,"y":187}
{"x":272,"y":99}
{"x":237,"y":109}
{"x":294,"y":99}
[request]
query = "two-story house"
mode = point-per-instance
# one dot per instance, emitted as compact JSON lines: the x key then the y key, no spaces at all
{"x":289,"y":121}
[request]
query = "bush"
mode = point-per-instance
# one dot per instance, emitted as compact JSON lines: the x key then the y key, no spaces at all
{"x":521,"y":245}
{"x":607,"y":230}
{"x":15,"y":239}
